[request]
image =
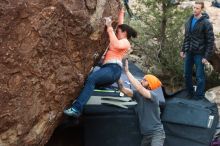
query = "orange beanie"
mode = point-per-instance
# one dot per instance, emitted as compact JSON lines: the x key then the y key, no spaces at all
{"x":153,"y":81}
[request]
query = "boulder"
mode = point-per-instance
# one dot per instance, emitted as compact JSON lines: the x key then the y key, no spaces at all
{"x":47,"y":48}
{"x":213,"y":95}
{"x":214,"y":14}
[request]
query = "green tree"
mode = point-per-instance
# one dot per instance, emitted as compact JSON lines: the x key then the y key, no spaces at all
{"x":160,"y":26}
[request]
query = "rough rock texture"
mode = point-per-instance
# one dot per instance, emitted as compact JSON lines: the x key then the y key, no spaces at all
{"x":47,"y":48}
{"x":213,"y":95}
{"x":214,"y":14}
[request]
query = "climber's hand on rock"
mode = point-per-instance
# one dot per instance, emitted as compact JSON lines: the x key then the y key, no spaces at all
{"x":108,"y":21}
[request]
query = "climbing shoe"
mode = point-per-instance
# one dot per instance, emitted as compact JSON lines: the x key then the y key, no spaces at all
{"x":72,"y":112}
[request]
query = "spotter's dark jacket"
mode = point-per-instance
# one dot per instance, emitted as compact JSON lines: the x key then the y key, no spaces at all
{"x":201,"y":39}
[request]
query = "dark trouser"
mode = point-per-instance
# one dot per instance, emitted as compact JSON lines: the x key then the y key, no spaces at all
{"x":106,"y":75}
{"x":189,"y":61}
{"x":156,"y":139}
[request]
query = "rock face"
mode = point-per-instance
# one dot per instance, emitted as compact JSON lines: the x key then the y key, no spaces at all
{"x":213,"y":95}
{"x":214,"y":14}
{"x":47,"y":48}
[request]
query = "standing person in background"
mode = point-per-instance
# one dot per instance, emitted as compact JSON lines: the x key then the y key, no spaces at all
{"x":111,"y":68}
{"x":147,"y":94}
{"x":197,"y":48}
